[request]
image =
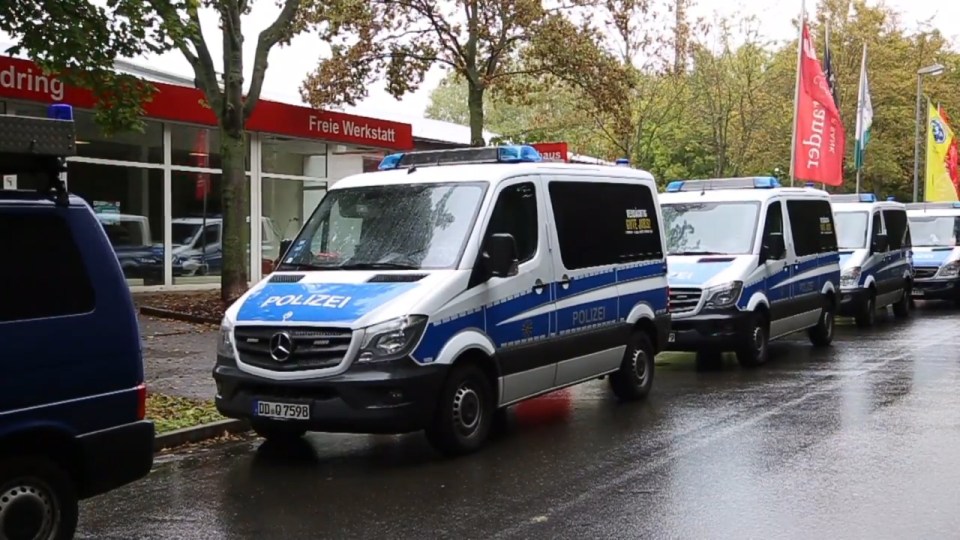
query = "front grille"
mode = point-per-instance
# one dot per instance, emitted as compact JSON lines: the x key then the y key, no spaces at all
{"x":684,"y":300}
{"x":924,"y":273}
{"x":313,"y":348}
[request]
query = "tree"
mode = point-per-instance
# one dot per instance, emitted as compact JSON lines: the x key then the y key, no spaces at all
{"x":81,"y":41}
{"x":477,"y":41}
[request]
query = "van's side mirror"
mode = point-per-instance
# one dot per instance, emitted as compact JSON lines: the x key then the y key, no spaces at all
{"x":500,"y":257}
{"x":284,"y":247}
{"x":773,"y":248}
{"x":880,"y":243}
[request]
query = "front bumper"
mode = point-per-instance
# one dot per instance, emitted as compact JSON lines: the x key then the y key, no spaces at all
{"x":394,"y":397}
{"x":721,"y":330}
{"x":852,"y":301}
{"x":114,"y":457}
{"x":936,"y":289}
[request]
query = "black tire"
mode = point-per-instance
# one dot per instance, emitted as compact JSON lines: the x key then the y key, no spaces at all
{"x":634,"y":379}
{"x":38,"y":500}
{"x":901,"y":309}
{"x":465,"y":412}
{"x":709,"y":360}
{"x":866,"y":314}
{"x":821,"y":335}
{"x":278,"y":432}
{"x":754,"y":351}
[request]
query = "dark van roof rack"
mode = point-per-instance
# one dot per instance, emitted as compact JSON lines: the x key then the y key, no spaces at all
{"x":39,"y":146}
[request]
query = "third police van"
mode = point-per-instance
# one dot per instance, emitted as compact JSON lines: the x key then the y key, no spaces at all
{"x":875,"y":262}
{"x":749,"y":261}
{"x":935,"y":228}
{"x":445,"y":287}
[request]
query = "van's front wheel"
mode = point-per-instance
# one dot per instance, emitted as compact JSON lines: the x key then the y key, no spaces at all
{"x":465,"y":412}
{"x":634,"y":379}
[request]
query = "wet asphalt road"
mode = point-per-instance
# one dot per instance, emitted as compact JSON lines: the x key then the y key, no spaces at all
{"x":858,"y":441}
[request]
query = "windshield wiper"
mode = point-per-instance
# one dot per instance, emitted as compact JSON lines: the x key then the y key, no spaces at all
{"x":306,"y":266}
{"x":694,"y":252}
{"x":377,"y":266}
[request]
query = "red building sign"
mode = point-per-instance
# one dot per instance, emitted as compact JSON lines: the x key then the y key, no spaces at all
{"x":22,"y":79}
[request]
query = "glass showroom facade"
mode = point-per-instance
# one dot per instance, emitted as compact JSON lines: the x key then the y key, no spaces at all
{"x":157,"y":192}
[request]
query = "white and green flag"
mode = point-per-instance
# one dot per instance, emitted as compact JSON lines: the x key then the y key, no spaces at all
{"x":864,"y":111}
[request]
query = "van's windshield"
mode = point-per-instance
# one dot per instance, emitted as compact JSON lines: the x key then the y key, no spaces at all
{"x":934,"y":231}
{"x":713,"y":228}
{"x":851,"y":230}
{"x":402,"y":226}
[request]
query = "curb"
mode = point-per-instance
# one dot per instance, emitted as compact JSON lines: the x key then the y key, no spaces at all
{"x":199,"y":433}
{"x":177,"y":316}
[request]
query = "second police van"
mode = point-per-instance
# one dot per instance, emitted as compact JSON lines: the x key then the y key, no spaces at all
{"x":749,"y":261}
{"x":875,"y":262}
{"x":935,"y":229}
{"x":446,"y":287}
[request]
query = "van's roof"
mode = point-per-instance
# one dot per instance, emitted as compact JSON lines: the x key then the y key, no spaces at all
{"x":487,"y":172}
{"x":937,"y":209}
{"x":34,"y":197}
{"x":867,"y":206}
{"x":743,"y":194}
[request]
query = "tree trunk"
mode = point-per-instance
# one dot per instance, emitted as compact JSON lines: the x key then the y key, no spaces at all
{"x":475,"y":104}
{"x":236,"y":229}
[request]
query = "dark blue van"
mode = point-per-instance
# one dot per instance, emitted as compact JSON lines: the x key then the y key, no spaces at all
{"x":72,"y":393}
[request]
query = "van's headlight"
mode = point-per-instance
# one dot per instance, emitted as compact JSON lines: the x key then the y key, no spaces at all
{"x":723,"y":296}
{"x":225,"y":339}
{"x":949,"y":270}
{"x":391,"y":339}
{"x":850,"y":278}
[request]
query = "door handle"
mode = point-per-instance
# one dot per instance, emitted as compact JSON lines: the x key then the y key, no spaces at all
{"x":539,"y":286}
{"x":565,"y":281}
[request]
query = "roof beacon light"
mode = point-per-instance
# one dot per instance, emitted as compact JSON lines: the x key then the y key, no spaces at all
{"x":868,"y":197}
{"x":60,"y":111}
{"x":853,"y":197}
{"x":891,"y":198}
{"x":623,"y":162}
{"x":810,"y":184}
{"x":462,"y":156}
{"x":758,"y":182}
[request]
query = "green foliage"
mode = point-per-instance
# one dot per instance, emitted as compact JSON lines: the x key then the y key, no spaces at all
{"x":700,"y":106}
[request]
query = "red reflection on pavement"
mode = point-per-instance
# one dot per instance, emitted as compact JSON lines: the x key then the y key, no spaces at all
{"x":546,"y":409}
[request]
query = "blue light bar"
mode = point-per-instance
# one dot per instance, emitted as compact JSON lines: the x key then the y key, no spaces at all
{"x":390,"y":162}
{"x":891,"y":198}
{"x":758,"y":182}
{"x":60,"y":111}
{"x":462,"y":156}
{"x":623,"y":162}
{"x":854,"y":197}
{"x":810,"y":184}
{"x":868,"y":197}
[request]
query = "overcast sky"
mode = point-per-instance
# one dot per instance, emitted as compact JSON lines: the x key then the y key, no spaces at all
{"x":288,"y":65}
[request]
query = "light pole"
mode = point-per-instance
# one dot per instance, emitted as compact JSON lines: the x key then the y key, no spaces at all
{"x":934,"y":70}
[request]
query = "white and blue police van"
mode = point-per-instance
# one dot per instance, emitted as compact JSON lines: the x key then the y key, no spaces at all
{"x":876,"y":267}
{"x":749,"y":261}
{"x":935,"y":228}
{"x":444,"y":287}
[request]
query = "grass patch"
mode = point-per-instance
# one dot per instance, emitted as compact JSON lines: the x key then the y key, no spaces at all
{"x":170,"y":412}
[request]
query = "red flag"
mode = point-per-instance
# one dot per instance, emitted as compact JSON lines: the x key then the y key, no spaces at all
{"x":953,"y":155}
{"x":201,"y":158}
{"x":821,"y":141}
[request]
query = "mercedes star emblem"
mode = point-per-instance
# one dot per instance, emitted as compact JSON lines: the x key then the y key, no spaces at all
{"x":281,"y":346}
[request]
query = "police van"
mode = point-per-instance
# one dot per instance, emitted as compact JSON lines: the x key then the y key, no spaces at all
{"x":935,"y":228}
{"x":445,"y":287}
{"x":749,"y":261}
{"x":876,"y":268}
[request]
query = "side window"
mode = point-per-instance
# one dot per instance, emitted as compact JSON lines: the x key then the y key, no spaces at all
{"x":605,"y":223}
{"x":516,"y":213}
{"x":61,"y":286}
{"x":211,"y":236}
{"x":812,"y":226}
{"x":876,"y":229}
{"x":898,"y":233}
{"x":773,"y":224}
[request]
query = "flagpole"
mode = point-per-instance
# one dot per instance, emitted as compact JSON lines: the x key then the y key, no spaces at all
{"x":826,"y":56}
{"x":796,"y":93}
{"x":858,"y":142}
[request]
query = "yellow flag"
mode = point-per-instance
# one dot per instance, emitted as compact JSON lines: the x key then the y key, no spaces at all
{"x":938,"y":185}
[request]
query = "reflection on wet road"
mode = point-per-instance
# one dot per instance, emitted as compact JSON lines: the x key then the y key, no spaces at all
{"x":858,"y":441}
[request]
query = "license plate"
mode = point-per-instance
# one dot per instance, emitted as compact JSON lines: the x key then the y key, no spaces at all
{"x":292,"y":411}
{"x":916,"y":293}
{"x":672,"y":338}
